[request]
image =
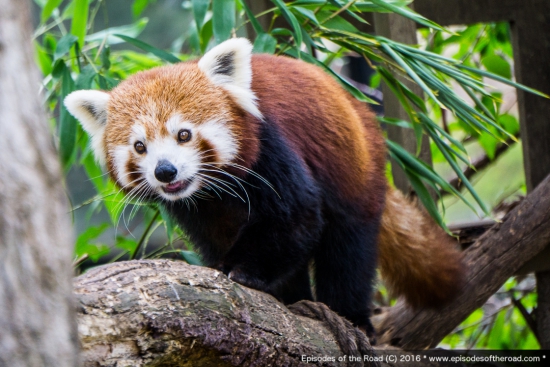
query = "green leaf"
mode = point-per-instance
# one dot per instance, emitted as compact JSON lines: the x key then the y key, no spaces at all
{"x":85,"y":79}
{"x":497,"y":65}
{"x":83,"y":245}
{"x":200,"y":7}
{"x":191,"y":258}
{"x":306,"y":13}
{"x":265,"y":43}
{"x":64,"y":46}
{"x":43,"y":59}
{"x":510,"y":123}
{"x":343,"y":82}
{"x":206,"y":34}
{"x":387,"y":48}
{"x":138,"y":6}
{"x":291,"y":19}
{"x":169,"y":222}
{"x":395,"y":122}
{"x":68,"y":124}
{"x":425,"y":197}
{"x":252,"y":18}
{"x":458,"y":171}
{"x":105,"y":54}
{"x":340,"y":23}
{"x":408,"y":13}
{"x":80,"y":20}
{"x":48,"y":9}
{"x":348,"y":11}
{"x":130,"y":30}
{"x":489,"y":144}
{"x":502,"y":79}
{"x":126,"y":244}
{"x":166,"y":56}
{"x":223,"y":19}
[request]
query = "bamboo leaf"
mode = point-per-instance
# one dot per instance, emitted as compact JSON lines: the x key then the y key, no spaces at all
{"x":291,"y":19}
{"x":191,"y":257}
{"x":408,"y":13}
{"x":461,"y":175}
{"x":64,"y":46}
{"x":223,"y":19}
{"x":67,"y":123}
{"x":131,"y":30}
{"x":255,"y":24}
{"x":265,"y":43}
{"x":80,"y":20}
{"x":48,"y":9}
{"x":200,"y":7}
{"x":410,"y":72}
{"x":502,"y":80}
{"x":166,"y":56}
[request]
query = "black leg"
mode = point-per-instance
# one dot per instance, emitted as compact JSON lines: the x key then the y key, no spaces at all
{"x":273,"y":257}
{"x":296,"y":288}
{"x":345,"y":267}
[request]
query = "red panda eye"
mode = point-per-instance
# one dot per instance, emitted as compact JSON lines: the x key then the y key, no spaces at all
{"x":184,"y":136}
{"x":140,"y":147}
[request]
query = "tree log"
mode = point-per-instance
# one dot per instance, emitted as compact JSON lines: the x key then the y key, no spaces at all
{"x":495,"y":256}
{"x":169,"y":313}
{"x":162,"y":312}
{"x":37,"y":325}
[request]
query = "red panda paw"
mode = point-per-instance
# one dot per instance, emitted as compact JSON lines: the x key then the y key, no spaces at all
{"x":248,"y":280}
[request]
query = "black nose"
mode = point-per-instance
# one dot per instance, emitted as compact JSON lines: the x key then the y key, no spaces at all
{"x":165,"y":171}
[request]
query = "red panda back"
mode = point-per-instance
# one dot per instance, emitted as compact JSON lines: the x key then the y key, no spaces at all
{"x":336,"y":135}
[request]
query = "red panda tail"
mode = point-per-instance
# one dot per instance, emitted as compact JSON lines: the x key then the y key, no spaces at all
{"x":418,"y":260}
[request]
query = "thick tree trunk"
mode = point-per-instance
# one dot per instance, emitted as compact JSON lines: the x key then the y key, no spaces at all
{"x":37,"y":325}
{"x":495,"y":256}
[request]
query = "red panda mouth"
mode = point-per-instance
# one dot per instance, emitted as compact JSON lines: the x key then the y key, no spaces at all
{"x":176,"y":186}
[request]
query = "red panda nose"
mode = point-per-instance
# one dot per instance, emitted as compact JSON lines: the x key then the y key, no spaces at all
{"x":165,"y":171}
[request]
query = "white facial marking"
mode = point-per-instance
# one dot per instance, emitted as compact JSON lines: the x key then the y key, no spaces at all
{"x":121,"y":155}
{"x":186,"y":157}
{"x":219,"y":135}
{"x":90,"y":108}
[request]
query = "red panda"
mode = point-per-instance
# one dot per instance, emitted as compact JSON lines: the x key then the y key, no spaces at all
{"x":270,"y":167}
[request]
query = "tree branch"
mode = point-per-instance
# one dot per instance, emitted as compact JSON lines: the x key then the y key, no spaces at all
{"x":162,"y":312}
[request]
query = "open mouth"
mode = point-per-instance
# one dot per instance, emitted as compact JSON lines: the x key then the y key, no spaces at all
{"x":176,"y":186}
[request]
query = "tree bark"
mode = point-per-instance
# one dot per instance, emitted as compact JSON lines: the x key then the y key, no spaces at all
{"x":164,"y":312}
{"x":37,"y":326}
{"x":495,"y":256}
{"x":168,"y":313}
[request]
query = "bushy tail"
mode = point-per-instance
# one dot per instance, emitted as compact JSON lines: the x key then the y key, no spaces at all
{"x":418,"y":260}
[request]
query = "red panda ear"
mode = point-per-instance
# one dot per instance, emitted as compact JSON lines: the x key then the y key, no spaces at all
{"x":89,"y":107}
{"x":228,"y":65}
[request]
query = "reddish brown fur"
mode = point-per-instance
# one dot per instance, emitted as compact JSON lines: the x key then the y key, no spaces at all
{"x":417,"y":258}
{"x":336,"y":122}
{"x":155,"y":95}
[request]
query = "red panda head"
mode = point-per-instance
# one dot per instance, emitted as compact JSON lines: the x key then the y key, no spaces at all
{"x":163,"y":131}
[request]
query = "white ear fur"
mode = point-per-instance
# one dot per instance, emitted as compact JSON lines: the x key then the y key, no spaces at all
{"x":228,"y":65}
{"x":90,"y":108}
